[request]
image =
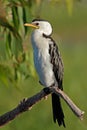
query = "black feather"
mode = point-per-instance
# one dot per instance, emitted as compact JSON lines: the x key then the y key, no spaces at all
{"x":57,"y":63}
{"x":58,"y":70}
{"x":57,"y":110}
{"x":38,"y":19}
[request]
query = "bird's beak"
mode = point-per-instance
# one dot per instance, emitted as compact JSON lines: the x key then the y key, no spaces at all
{"x":31,"y":25}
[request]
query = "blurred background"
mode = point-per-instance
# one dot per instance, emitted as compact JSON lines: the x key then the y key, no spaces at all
{"x":18,"y":78}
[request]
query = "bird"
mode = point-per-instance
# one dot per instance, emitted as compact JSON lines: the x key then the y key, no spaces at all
{"x":48,"y":63}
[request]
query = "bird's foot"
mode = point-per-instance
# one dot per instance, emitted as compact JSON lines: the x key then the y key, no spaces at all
{"x":24,"y":100}
{"x":45,"y":97}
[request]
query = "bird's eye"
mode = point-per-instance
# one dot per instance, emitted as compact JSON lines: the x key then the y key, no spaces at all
{"x":37,"y":24}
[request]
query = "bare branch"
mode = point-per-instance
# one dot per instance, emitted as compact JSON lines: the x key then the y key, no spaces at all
{"x":78,"y":112}
{"x":26,"y":104}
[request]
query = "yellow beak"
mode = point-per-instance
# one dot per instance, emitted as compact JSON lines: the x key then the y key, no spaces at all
{"x":31,"y":25}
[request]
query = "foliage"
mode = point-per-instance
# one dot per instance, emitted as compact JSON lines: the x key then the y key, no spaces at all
{"x":13,"y":15}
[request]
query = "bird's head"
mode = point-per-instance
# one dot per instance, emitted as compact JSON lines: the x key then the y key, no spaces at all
{"x":42,"y":26}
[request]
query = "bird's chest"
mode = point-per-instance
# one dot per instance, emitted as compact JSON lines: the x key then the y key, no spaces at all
{"x":41,"y":53}
{"x":41,"y":59}
{"x":43,"y":66}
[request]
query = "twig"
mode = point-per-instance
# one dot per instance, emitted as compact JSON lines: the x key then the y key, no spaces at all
{"x":78,"y":112}
{"x":26,"y":104}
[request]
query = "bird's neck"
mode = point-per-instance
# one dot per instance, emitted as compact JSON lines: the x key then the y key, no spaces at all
{"x":39,"y":42}
{"x":36,"y":38}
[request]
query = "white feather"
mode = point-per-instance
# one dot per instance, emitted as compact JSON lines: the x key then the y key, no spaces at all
{"x":42,"y":58}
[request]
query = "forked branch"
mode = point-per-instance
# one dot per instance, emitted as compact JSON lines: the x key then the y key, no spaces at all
{"x":26,"y":104}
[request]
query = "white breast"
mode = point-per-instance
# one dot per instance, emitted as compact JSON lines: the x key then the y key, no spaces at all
{"x":42,"y":60}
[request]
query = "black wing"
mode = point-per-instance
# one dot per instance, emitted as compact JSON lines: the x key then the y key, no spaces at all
{"x":58,"y":69}
{"x":57,"y":63}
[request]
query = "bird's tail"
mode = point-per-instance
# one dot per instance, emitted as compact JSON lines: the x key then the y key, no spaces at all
{"x":57,"y":110}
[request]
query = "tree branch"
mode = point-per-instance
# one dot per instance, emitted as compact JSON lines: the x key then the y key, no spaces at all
{"x":26,"y":104}
{"x":77,"y":111}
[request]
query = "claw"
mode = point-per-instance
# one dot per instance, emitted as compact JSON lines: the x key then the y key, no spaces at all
{"x":45,"y":97}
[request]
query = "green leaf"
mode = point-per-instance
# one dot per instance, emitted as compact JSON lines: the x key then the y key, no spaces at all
{"x":8,"y":44}
{"x":26,"y":17}
{"x":15,"y":17}
{"x":5,"y":74}
{"x":16,"y":46}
